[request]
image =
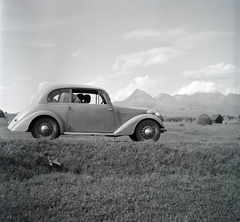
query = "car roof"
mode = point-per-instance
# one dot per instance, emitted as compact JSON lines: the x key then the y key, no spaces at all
{"x":62,"y":86}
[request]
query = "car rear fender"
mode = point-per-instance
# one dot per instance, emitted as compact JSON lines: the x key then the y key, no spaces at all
{"x":24,"y":124}
{"x":128,"y":127}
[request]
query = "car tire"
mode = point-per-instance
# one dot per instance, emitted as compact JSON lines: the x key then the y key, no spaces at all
{"x":45,"y":127}
{"x":147,"y":130}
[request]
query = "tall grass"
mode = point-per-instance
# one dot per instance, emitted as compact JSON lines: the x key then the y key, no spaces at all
{"x":102,"y":180}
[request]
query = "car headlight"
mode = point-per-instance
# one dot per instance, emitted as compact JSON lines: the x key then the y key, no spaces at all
{"x":153,"y":112}
{"x":157,"y":114}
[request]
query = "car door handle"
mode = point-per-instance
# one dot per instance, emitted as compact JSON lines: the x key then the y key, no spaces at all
{"x":110,"y":109}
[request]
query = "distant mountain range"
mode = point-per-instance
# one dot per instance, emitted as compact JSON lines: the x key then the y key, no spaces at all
{"x":186,"y":105}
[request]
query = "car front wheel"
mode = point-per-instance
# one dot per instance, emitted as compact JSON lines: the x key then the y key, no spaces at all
{"x":146,"y":130}
{"x":45,"y":127}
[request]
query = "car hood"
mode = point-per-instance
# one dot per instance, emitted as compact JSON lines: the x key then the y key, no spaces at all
{"x":126,"y":113}
{"x":132,"y":110}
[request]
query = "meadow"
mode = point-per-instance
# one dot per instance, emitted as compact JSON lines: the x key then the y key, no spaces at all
{"x":191,"y":174}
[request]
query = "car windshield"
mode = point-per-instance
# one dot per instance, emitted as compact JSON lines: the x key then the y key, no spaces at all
{"x":106,"y":96}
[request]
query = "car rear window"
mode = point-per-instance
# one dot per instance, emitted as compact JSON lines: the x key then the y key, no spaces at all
{"x":59,"y":96}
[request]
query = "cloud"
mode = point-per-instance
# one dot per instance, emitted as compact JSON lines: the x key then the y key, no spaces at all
{"x":192,"y":39}
{"x":218,"y":71}
{"x":42,"y":85}
{"x":40,"y":89}
{"x":23,"y":78}
{"x":45,"y":23}
{"x":180,"y":36}
{"x":4,"y":90}
{"x":163,"y":34}
{"x":206,"y":87}
{"x":31,"y":43}
{"x":99,"y":81}
{"x":180,"y":41}
{"x":146,"y":58}
{"x":158,"y":59}
{"x":112,"y":82}
{"x":77,"y":53}
{"x":39,"y":44}
{"x":132,"y":62}
{"x":122,"y":84}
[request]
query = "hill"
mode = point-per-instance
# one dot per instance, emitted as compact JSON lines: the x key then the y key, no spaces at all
{"x":139,"y":98}
{"x":186,"y":105}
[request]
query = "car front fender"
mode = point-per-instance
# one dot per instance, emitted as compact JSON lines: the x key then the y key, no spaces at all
{"x":128,"y":127}
{"x":22,"y":124}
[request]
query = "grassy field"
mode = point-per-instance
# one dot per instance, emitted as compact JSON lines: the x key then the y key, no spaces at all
{"x":191,"y":174}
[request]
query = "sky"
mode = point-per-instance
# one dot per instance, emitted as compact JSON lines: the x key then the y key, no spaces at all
{"x":158,"y":46}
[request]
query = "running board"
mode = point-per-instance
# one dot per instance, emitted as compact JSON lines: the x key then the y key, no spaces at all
{"x":90,"y":134}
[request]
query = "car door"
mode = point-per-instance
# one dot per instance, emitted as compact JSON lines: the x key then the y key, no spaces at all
{"x":91,"y":118}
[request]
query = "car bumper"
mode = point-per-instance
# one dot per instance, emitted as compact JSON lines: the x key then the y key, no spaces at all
{"x":162,"y":130}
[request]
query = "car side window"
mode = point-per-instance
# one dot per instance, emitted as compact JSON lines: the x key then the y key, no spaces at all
{"x":88,"y":97}
{"x":59,"y":96}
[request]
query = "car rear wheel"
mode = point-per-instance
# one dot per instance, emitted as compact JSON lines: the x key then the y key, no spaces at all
{"x":146,"y":130}
{"x":45,"y":127}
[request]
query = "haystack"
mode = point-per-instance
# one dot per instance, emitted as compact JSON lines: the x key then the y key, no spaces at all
{"x":2,"y":115}
{"x":204,"y":119}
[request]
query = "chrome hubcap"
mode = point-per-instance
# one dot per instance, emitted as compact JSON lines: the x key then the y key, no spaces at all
{"x":148,"y":132}
{"x":44,"y":129}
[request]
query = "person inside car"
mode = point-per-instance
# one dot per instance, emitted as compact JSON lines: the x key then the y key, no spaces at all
{"x":87,"y":98}
{"x":80,"y":97}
